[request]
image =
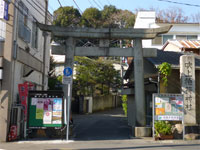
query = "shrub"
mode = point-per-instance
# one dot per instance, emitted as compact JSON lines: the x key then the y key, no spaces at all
{"x":124,"y":104}
{"x":162,"y":128}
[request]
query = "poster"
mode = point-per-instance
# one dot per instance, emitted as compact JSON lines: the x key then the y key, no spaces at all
{"x":39,"y":108}
{"x":168,"y":107}
{"x":160,"y":111}
{"x":47,"y":119}
{"x":158,"y":105}
{"x":57,"y":111}
{"x":34,"y":101}
{"x":39,"y":113}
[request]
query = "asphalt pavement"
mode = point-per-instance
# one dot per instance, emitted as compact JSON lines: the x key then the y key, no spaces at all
{"x":105,"y":130}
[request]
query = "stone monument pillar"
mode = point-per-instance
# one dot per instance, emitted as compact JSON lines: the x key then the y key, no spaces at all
{"x":187,"y":75}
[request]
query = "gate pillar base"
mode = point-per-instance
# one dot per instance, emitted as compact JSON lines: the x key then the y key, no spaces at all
{"x":143,"y":131}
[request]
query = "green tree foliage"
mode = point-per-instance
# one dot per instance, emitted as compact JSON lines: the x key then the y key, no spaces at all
{"x":95,"y":76}
{"x":91,"y":17}
{"x":53,"y":81}
{"x":66,"y":16}
{"x":107,"y":13}
{"x":165,"y":71}
{"x":123,"y":19}
{"x":124,"y":104}
{"x":110,"y":16}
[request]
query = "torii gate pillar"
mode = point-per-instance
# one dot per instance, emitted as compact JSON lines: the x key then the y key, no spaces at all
{"x":139,"y":83}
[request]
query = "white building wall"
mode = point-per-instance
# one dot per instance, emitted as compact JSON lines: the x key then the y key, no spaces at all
{"x":35,"y":77}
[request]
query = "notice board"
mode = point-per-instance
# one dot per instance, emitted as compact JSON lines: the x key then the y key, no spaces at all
{"x":168,"y":107}
{"x":45,"y":109}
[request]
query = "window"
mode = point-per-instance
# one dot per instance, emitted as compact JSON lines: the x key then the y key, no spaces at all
{"x":23,"y":13}
{"x":181,"y":37}
{"x":167,"y":37}
{"x":157,"y":40}
{"x":186,"y":37}
{"x":34,"y":42}
{"x":192,"y":37}
{"x":24,"y":32}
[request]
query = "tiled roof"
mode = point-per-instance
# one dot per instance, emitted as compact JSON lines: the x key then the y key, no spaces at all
{"x":169,"y":57}
{"x":186,"y":44}
{"x":164,"y":56}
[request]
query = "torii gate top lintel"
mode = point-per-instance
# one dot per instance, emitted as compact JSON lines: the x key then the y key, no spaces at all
{"x":104,"y":33}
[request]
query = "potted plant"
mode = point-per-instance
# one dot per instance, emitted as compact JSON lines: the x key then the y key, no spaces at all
{"x":163,"y":130}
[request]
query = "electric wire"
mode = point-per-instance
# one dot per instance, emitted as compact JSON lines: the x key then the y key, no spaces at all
{"x":82,"y":13}
{"x":97,"y":4}
{"x":60,"y":3}
{"x":77,"y":6}
{"x":187,"y":4}
{"x":90,"y":3}
{"x":100,"y":3}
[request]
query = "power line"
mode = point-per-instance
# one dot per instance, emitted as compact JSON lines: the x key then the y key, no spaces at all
{"x":60,"y":3}
{"x":77,"y":6}
{"x":187,"y":4}
{"x":97,"y":4}
{"x":100,"y":3}
{"x":90,"y":3}
{"x":81,"y":12}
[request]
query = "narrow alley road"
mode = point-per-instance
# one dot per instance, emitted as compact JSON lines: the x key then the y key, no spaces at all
{"x":106,"y":125}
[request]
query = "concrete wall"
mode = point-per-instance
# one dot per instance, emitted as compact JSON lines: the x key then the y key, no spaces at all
{"x":103,"y":102}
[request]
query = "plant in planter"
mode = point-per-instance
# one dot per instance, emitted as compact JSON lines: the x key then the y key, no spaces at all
{"x":163,"y":130}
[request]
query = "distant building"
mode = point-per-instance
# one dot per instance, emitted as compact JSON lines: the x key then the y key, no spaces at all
{"x":24,"y":55}
{"x":179,"y":31}
{"x":182,"y":46}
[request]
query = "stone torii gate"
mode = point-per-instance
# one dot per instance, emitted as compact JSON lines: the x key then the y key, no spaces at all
{"x":104,"y":35}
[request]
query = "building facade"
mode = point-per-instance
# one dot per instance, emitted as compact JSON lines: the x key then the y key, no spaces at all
{"x":24,"y":51}
{"x":179,"y":31}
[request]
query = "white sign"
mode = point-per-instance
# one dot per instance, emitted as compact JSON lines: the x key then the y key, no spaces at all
{"x":2,"y":7}
{"x":168,"y":117}
{"x":67,"y":80}
{"x":47,"y":118}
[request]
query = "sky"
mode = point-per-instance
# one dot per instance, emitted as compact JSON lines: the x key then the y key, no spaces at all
{"x":128,"y":4}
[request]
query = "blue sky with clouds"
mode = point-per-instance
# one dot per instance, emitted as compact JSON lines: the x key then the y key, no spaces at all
{"x":128,"y":4}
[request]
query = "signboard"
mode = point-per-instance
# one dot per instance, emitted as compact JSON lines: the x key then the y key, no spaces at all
{"x":67,"y":80}
{"x":2,"y":5}
{"x":45,"y":109}
{"x":4,"y":10}
{"x":67,"y":71}
{"x":168,"y":107}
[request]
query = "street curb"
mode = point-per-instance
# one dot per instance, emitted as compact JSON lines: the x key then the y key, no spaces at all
{"x":151,"y":140}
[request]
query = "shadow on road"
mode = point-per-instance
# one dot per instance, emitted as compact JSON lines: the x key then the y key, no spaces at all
{"x":107,"y":125}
